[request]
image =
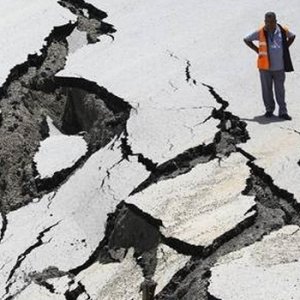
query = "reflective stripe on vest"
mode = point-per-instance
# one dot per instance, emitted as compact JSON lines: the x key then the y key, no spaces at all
{"x":263,"y":57}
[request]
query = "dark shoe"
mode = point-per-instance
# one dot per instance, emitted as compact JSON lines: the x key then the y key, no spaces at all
{"x":268,"y":114}
{"x":285,"y":117}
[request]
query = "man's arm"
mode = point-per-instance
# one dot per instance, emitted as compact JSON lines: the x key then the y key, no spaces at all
{"x":290,"y":40}
{"x":251,"y":45}
{"x":249,"y":41}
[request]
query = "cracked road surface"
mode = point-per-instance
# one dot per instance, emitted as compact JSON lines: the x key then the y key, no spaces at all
{"x":176,"y":188}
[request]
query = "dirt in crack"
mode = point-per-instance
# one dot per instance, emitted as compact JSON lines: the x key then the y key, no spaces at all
{"x":32,"y":92}
{"x":89,"y":19}
{"x":127,"y":227}
{"x":275,"y":208}
{"x":23,"y":256}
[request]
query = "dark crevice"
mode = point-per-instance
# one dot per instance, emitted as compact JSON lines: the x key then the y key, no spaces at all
{"x":75,"y":293}
{"x":148,"y":289}
{"x":102,"y":118}
{"x":235,"y":231}
{"x":182,"y":247}
{"x":48,"y":184}
{"x":41,"y":278}
{"x":130,"y":227}
{"x":232,"y":131}
{"x":114,"y":103}
{"x":191,"y":280}
{"x":77,"y":6}
{"x":4,"y":226}
{"x":188,"y":73}
{"x":58,"y":34}
{"x":48,"y":286}
{"x":127,"y":151}
{"x":249,"y":156}
{"x":24,"y":101}
{"x":281,"y":198}
{"x":101,"y":253}
{"x":23,"y":256}
{"x":181,"y":164}
{"x":148,"y":218}
{"x":204,"y":121}
{"x":210,"y":297}
{"x":89,"y":19}
{"x":127,"y":227}
{"x":31,"y":92}
{"x":275,"y":208}
{"x":217,"y":97}
{"x":44,"y":128}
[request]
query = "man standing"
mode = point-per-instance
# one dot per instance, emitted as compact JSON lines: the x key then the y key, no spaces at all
{"x":273,"y":61}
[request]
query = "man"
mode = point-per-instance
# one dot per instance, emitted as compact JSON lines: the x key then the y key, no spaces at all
{"x":273,"y":61}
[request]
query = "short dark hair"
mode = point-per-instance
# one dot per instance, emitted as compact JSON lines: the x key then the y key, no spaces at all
{"x":270,"y":14}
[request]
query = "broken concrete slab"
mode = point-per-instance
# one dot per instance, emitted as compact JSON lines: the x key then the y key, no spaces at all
{"x":31,"y":92}
{"x":264,"y":270}
{"x":80,"y":210}
{"x":169,"y":262}
{"x":276,"y":151}
{"x":162,"y":133}
{"x":201,"y":205}
{"x":123,"y":280}
{"x":120,"y":280}
{"x":114,"y":281}
{"x":57,"y":153}
{"x":35,"y":291}
{"x":20,"y":26}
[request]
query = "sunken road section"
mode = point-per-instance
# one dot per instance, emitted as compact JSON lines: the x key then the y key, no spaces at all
{"x":32,"y":92}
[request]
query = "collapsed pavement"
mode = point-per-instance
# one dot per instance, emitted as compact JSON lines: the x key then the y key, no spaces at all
{"x":274,"y":209}
{"x":32,"y":92}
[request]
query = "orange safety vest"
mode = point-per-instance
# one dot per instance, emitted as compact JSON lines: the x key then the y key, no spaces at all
{"x":263,"y":62}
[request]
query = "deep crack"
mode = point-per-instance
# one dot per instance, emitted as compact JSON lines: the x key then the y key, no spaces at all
{"x":23,"y":256}
{"x":127,"y":151}
{"x":33,"y":79}
{"x":31,"y":92}
{"x":4,"y":226}
{"x":75,"y":293}
{"x":188,"y":73}
{"x":232,"y":131}
{"x":275,"y":208}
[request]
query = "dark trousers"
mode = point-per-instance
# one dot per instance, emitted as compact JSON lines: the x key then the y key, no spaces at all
{"x":268,"y":78}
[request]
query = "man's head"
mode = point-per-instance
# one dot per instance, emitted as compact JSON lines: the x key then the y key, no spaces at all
{"x":270,"y":21}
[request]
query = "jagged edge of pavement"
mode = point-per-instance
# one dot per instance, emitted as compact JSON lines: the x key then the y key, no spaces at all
{"x":187,"y":160}
{"x":113,"y":102}
{"x":58,"y":33}
{"x":176,"y":244}
{"x":284,"y":203}
{"x":223,"y":106}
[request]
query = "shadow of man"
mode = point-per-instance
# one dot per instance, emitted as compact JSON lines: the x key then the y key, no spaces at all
{"x":263,"y":120}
